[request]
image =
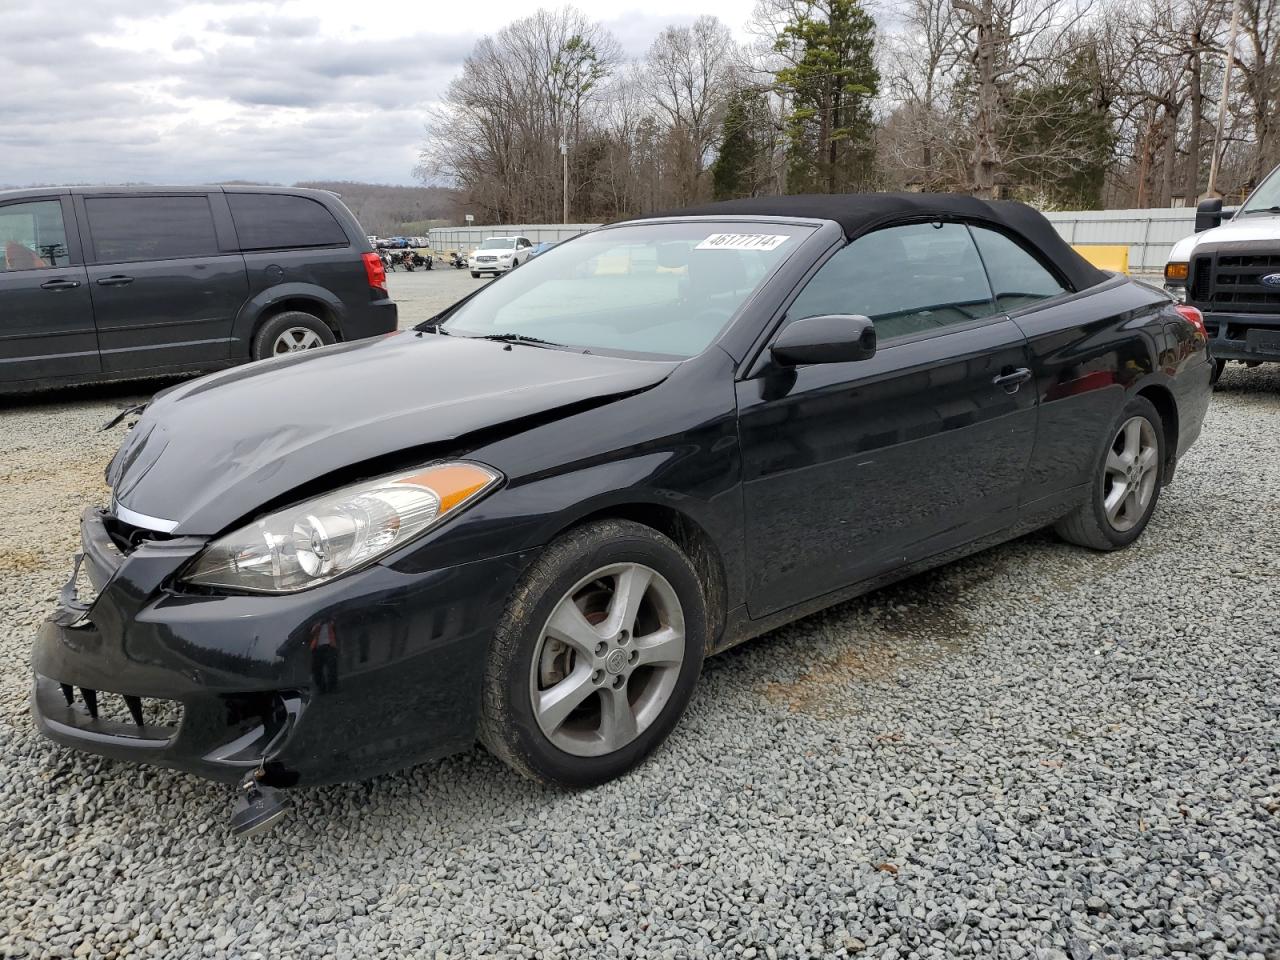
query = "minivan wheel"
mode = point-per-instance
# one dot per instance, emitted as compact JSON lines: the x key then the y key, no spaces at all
{"x":1126,"y":482}
{"x":291,"y":332}
{"x":596,"y":655}
{"x":475,"y":275}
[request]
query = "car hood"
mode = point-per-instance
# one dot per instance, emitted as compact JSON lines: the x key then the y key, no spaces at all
{"x":209,"y":452}
{"x":1255,"y":227}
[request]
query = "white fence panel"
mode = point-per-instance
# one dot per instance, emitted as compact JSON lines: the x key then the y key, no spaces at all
{"x":453,"y":238}
{"x":1150,"y":234}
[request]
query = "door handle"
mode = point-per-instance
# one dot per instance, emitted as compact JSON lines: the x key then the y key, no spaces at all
{"x":1012,"y":380}
{"x":59,"y":284}
{"x":116,"y":281}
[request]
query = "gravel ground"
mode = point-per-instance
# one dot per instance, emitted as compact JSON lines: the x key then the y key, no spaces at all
{"x":1037,"y":752}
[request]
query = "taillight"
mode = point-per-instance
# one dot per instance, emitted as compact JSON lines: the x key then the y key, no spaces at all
{"x":376,"y":272}
{"x":1193,"y":316}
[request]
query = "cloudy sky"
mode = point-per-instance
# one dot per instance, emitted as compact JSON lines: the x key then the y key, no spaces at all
{"x":165,"y":91}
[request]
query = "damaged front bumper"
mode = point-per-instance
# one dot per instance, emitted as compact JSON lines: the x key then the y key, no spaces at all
{"x":371,"y":672}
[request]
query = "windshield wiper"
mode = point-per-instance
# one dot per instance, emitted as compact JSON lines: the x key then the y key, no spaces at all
{"x":1275,"y":209}
{"x":518,"y":338}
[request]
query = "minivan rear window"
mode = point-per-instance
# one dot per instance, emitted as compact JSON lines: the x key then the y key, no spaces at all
{"x":273,"y":221}
{"x":150,"y":228}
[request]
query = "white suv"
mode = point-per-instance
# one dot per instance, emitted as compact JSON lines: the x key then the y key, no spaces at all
{"x":500,"y":254}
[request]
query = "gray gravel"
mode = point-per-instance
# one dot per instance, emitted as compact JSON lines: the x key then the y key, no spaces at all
{"x":1037,"y":752}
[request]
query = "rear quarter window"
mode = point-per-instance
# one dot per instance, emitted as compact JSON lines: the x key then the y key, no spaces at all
{"x":268,"y":221}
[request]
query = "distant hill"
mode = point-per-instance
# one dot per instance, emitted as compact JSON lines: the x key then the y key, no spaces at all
{"x":387,"y":210}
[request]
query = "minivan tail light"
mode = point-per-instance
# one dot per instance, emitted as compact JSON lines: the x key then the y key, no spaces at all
{"x":1193,"y":316}
{"x":376,"y":271}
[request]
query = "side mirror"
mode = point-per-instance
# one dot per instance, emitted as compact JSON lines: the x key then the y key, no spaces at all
{"x":835,"y":338}
{"x":1208,"y":214}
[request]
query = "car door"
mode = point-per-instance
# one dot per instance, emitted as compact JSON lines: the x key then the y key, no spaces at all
{"x":854,"y":469}
{"x":166,"y":279}
{"x":46,"y":316}
{"x":1082,"y":360}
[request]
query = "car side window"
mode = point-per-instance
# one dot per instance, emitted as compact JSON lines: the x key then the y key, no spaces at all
{"x":33,"y":236}
{"x":276,"y":221}
{"x":150,"y":228}
{"x":910,"y":279}
{"x":1017,"y":277}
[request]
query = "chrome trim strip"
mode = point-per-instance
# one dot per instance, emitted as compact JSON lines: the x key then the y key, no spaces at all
{"x":158,"y":524}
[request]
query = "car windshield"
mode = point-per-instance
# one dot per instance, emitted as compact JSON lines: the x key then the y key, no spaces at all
{"x":661,"y":289}
{"x":1266,"y":199}
{"x":498,"y":243}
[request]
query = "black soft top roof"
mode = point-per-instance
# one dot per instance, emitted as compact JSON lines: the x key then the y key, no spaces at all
{"x":859,"y":213}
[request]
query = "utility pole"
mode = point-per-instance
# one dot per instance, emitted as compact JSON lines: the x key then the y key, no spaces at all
{"x":1212,"y":188}
{"x":564,"y":157}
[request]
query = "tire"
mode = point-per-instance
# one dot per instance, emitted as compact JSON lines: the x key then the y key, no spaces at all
{"x":475,"y":275}
{"x":1091,"y":524}
{"x":1216,"y":372}
{"x":580,"y":573}
{"x":307,"y":330}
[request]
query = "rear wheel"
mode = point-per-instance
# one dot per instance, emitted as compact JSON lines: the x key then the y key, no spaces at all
{"x":596,"y":656}
{"x":474,"y":274}
{"x":1127,"y":481}
{"x":291,"y":332}
{"x":1216,"y":372}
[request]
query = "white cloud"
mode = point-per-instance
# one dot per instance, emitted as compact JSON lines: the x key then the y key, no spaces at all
{"x":182,"y":92}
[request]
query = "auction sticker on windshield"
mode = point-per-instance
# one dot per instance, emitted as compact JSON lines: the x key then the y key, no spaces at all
{"x":742,"y":241}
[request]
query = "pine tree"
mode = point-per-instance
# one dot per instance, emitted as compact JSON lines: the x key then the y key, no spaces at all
{"x":737,"y":169}
{"x":830,"y":83}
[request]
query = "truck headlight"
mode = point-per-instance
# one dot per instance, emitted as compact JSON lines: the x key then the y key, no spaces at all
{"x":1176,"y":271}
{"x":313,"y":542}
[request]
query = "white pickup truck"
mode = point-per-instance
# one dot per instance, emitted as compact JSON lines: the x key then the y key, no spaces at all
{"x":1230,"y":269}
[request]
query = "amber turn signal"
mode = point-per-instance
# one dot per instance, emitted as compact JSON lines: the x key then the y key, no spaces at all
{"x":1175,"y":271}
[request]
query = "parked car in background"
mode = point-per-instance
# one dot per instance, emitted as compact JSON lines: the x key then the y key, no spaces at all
{"x":540,"y":248}
{"x":110,"y":283}
{"x":529,"y":520}
{"x":499,"y":254}
{"x":1230,"y":269}
{"x":373,"y":241}
{"x":393,"y":243}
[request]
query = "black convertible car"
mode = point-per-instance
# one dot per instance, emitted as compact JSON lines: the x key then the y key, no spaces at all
{"x":529,"y":520}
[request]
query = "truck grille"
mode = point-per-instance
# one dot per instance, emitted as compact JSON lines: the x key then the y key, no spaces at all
{"x":1231,"y":282}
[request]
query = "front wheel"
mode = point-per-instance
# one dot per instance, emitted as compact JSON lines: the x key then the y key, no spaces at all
{"x":476,"y":275}
{"x":1126,"y":484}
{"x":1216,"y":373}
{"x":596,"y":655}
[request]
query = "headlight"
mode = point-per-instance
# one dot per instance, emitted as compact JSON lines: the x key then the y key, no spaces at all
{"x":506,"y":255}
{"x":315,"y":541}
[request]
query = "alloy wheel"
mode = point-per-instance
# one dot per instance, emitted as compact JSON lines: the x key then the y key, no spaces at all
{"x":296,"y":339}
{"x":1131,"y":472}
{"x":608,"y":659}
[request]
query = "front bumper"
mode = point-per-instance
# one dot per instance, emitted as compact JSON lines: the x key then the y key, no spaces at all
{"x":377,"y":670}
{"x":1252,"y":337}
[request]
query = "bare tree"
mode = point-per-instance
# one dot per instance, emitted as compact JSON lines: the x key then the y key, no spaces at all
{"x":689,"y":69}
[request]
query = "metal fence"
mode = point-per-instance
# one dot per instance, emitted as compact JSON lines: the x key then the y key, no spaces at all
{"x":453,"y":238}
{"x":1150,"y":234}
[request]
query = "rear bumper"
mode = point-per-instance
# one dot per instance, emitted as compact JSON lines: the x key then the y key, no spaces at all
{"x":1253,"y":337}
{"x":373,"y":672}
{"x":377,"y":319}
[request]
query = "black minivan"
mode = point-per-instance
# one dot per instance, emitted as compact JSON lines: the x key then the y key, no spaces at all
{"x":110,"y":283}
